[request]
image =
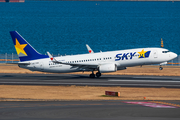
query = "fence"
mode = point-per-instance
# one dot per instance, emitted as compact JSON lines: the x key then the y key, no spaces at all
{"x":11,"y":58}
{"x":7,"y":58}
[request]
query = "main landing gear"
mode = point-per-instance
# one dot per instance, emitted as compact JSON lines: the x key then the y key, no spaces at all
{"x":98,"y":74}
{"x":92,"y":75}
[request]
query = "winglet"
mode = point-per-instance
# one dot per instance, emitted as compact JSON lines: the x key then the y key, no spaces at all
{"x":52,"y":58}
{"x":89,"y":49}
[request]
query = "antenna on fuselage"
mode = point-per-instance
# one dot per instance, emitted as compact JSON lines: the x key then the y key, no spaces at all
{"x":162,"y":45}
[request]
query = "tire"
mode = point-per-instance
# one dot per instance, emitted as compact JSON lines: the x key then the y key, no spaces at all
{"x":160,"y":68}
{"x":98,"y":74}
{"x":92,"y":75}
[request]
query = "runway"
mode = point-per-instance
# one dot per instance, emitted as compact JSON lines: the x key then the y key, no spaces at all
{"x":83,"y":80}
{"x":90,"y":110}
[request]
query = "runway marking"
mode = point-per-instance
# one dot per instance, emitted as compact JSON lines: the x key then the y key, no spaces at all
{"x":95,"y":84}
{"x":176,"y":105}
{"x":167,"y":78}
{"x":143,"y":81}
{"x":151,"y":104}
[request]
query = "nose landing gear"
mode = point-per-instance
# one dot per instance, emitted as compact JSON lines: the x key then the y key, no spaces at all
{"x":160,"y":68}
{"x":98,"y":74}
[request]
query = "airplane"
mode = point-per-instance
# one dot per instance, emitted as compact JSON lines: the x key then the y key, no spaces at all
{"x":102,"y":62}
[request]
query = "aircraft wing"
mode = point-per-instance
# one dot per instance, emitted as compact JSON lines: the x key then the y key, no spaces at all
{"x":84,"y":66}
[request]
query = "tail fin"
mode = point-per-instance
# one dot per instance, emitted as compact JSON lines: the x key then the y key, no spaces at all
{"x":24,"y":50}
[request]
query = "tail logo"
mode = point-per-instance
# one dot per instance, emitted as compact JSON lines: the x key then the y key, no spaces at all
{"x":20,"y":49}
{"x":144,"y":54}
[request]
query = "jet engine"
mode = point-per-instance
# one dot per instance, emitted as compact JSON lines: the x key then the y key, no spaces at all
{"x":108,"y":68}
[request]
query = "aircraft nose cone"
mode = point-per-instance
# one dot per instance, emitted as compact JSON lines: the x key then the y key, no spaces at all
{"x":174,"y":55}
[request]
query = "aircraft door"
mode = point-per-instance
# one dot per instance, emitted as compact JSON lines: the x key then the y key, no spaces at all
{"x":155,"y":54}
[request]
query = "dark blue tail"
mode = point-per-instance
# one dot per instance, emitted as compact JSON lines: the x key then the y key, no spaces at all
{"x":24,"y":50}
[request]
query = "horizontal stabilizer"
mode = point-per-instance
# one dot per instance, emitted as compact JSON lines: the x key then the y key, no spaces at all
{"x":19,"y":63}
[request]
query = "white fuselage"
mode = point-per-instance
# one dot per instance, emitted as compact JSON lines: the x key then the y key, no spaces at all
{"x":89,"y":62}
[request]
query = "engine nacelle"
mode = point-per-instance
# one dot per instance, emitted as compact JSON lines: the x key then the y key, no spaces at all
{"x":108,"y":68}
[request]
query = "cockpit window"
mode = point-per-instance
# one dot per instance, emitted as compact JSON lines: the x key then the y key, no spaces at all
{"x":165,"y":51}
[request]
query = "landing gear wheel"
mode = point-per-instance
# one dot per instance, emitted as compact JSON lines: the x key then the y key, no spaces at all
{"x":92,"y":75}
{"x":160,"y":68}
{"x":98,"y":74}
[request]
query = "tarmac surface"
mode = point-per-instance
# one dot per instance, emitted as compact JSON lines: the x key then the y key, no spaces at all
{"x":83,"y":80}
{"x":90,"y":110}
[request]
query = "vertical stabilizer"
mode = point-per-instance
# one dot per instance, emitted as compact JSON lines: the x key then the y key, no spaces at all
{"x":24,"y":50}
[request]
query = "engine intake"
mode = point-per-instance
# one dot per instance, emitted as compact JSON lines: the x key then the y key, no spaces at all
{"x":108,"y":68}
